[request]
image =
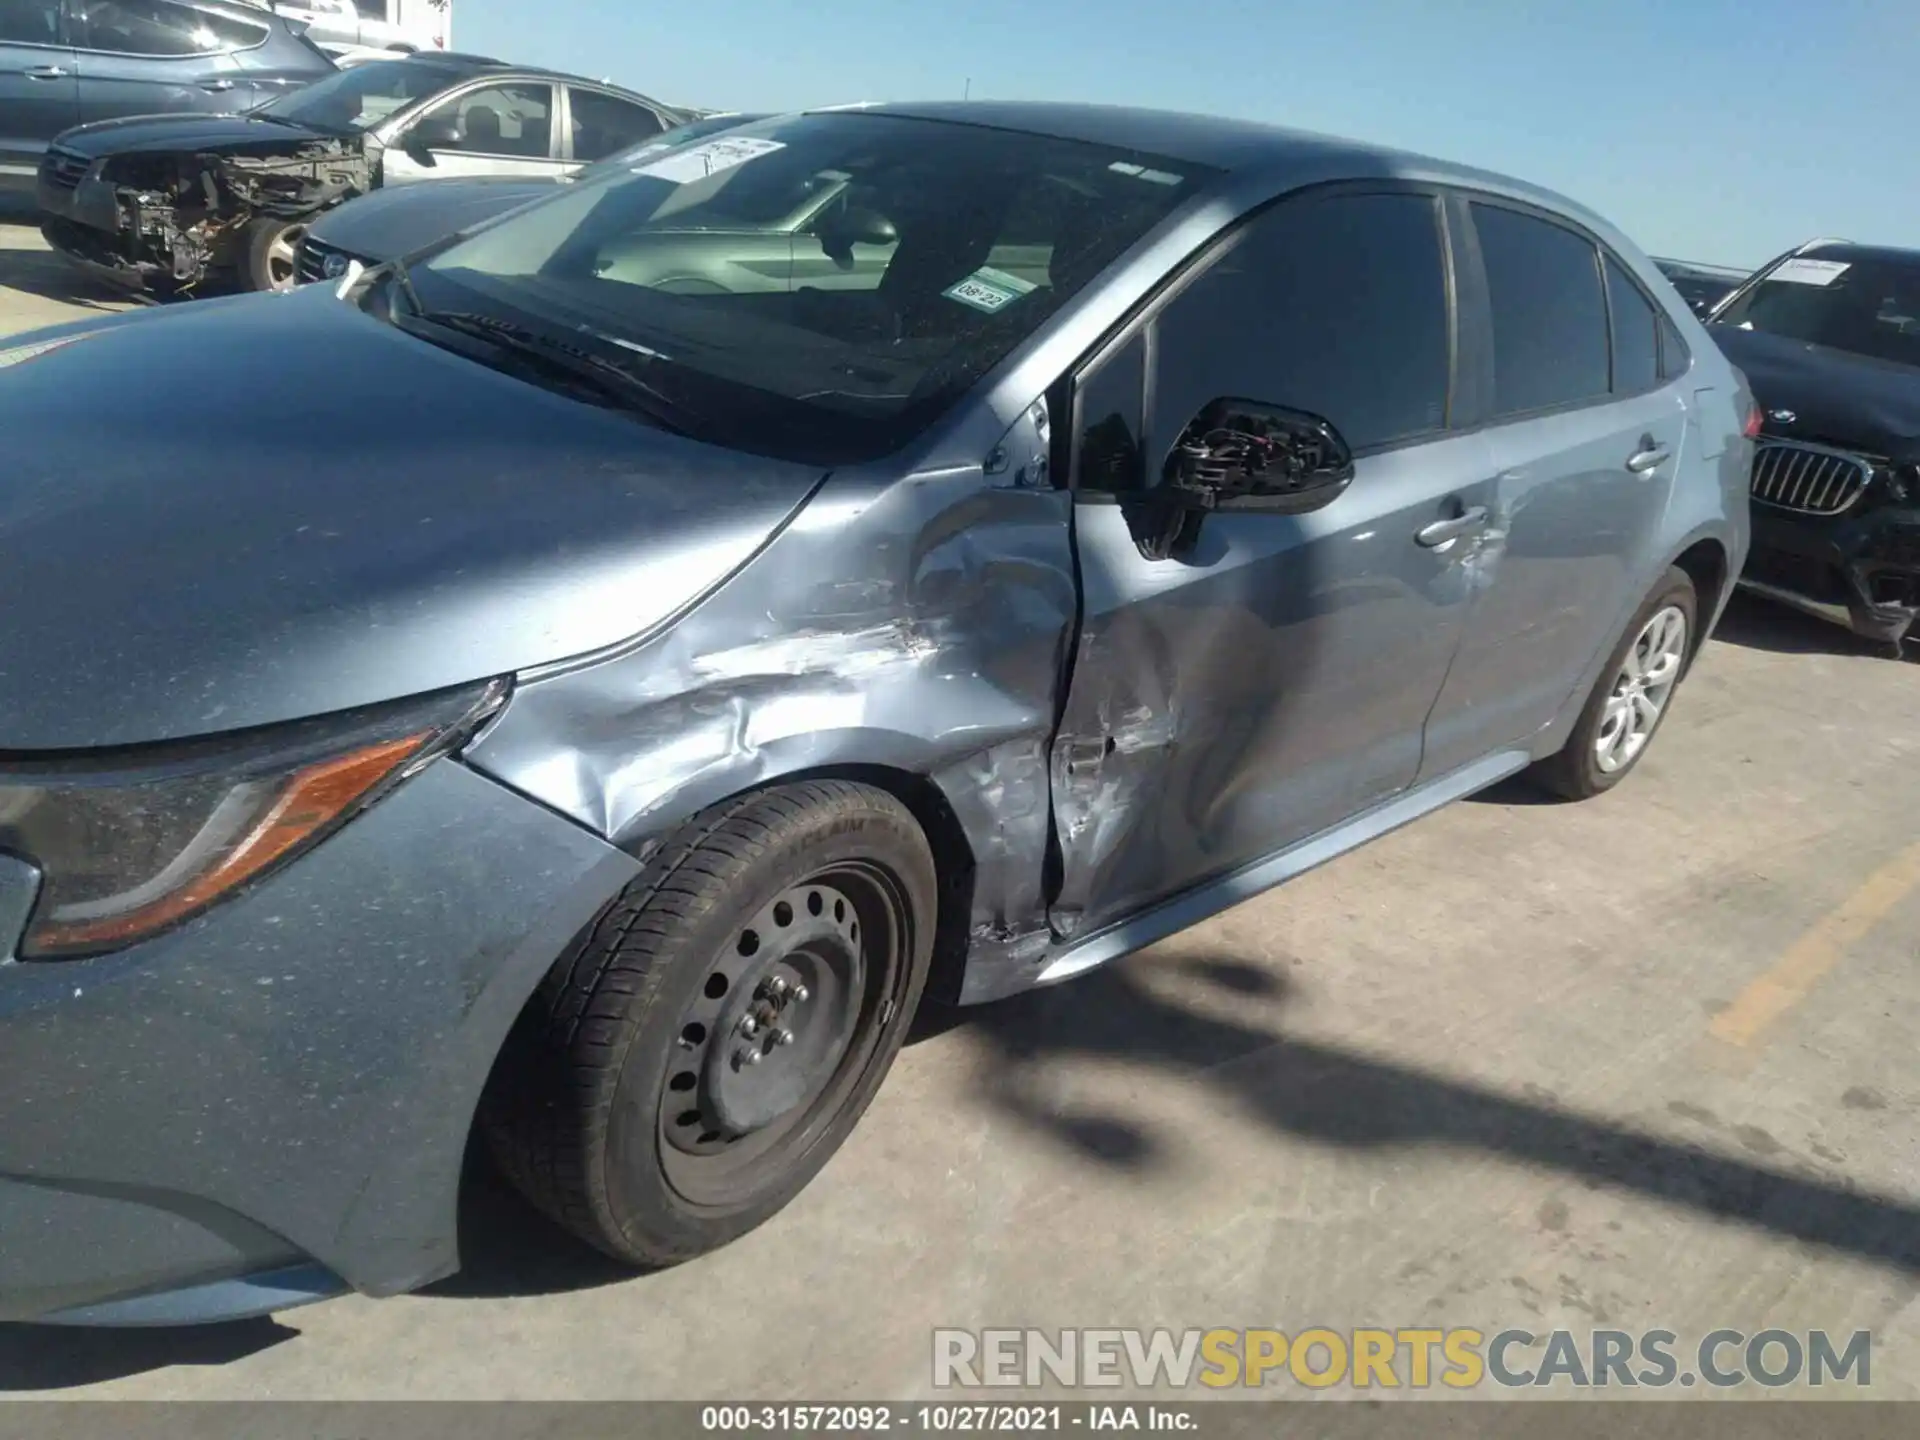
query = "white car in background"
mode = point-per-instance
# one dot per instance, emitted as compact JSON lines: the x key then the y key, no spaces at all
{"x":358,"y":26}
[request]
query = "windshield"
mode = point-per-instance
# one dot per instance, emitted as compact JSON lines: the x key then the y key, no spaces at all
{"x":360,"y":98}
{"x":829,"y":282}
{"x":1867,"y":307}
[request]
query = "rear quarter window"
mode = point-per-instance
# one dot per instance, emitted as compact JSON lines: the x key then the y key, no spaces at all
{"x":1636,"y":333}
{"x":1548,"y":311}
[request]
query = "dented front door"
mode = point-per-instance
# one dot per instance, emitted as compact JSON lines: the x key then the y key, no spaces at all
{"x":1272,"y":678}
{"x":1262,"y":689}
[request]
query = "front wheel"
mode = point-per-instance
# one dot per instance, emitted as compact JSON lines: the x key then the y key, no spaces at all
{"x":1632,"y":696}
{"x":709,"y":1043}
{"x":271,"y":258}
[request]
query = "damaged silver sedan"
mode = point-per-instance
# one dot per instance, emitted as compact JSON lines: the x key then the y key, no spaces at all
{"x":160,"y":203}
{"x":1095,"y":518}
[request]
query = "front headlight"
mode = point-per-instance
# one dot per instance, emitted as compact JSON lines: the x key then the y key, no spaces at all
{"x":132,"y":843}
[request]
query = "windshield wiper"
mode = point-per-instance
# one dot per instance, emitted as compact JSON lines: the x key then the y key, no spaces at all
{"x":613,"y":382}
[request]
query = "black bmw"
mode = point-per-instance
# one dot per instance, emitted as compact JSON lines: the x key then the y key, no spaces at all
{"x":1829,"y":337}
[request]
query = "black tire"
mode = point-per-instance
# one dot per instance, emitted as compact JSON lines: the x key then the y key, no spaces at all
{"x":1575,"y":772}
{"x":268,"y":247}
{"x":586,"y":1111}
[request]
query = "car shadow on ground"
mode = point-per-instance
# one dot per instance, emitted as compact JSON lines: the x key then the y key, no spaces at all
{"x":509,"y":1249}
{"x":46,"y":275}
{"x":1752,"y":623}
{"x":1755,"y":623}
{"x":1325,"y":1094}
{"x":46,"y":1357}
{"x":1208,"y":1020}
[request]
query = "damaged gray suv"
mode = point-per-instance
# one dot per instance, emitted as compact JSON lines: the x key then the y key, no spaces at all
{"x":1104,"y":516}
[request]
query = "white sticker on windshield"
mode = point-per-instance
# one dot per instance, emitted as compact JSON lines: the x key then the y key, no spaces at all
{"x":988,"y":290}
{"x":697,"y":162}
{"x":1811,"y":272}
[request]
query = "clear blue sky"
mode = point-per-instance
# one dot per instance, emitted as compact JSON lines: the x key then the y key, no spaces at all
{"x":1715,"y":130}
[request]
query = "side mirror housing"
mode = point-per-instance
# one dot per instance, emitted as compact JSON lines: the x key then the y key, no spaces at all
{"x":1247,"y":455}
{"x":842,"y":229}
{"x":431,"y":133}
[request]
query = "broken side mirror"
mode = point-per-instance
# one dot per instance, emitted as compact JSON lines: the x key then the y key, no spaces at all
{"x":1248,"y":456}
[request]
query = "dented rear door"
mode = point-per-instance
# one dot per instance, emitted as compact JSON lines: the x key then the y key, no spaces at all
{"x":1274,"y":678}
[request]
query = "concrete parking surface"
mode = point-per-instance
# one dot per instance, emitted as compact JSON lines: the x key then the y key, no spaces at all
{"x":1645,"y":1062}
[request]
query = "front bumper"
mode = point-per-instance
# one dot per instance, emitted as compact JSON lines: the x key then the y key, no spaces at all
{"x":119,"y":237}
{"x":1859,"y":570}
{"x":69,"y":188}
{"x":273,"y":1102}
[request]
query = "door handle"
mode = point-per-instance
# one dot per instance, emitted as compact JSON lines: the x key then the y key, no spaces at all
{"x":216,"y":84}
{"x":1443,"y":532}
{"x":47,"y":72}
{"x":1649,"y":457}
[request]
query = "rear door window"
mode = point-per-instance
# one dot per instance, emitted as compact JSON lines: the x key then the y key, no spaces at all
{"x":1636,"y":338}
{"x":1548,"y":311}
{"x":160,"y":28}
{"x":604,"y":125}
{"x":29,"y":22}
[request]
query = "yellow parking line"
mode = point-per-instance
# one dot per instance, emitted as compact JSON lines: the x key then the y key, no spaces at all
{"x":1788,"y":980}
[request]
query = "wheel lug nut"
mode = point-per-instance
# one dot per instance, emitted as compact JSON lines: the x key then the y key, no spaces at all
{"x":749,"y":1027}
{"x":748,"y":1057}
{"x":783,"y":1037}
{"x":801,"y":994}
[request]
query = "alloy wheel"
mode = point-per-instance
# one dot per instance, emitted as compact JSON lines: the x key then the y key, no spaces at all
{"x":283,"y":258}
{"x":1641,"y":689}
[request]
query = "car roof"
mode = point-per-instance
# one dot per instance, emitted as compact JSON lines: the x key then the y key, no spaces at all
{"x":1216,"y":142}
{"x":464,"y":67}
{"x":1848,"y":250}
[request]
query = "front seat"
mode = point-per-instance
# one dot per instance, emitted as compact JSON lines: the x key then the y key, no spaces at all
{"x":484,"y":131}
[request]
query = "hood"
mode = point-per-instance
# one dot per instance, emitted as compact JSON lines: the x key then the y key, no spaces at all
{"x":134,"y":134}
{"x":205,"y":542}
{"x":1838,"y":398}
{"x":387,"y":224}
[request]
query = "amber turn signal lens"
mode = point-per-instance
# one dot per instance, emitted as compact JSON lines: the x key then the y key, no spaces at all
{"x":306,"y":803}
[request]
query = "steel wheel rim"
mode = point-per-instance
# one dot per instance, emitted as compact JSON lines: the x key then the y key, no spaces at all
{"x":283,"y":257}
{"x":716,"y":1144}
{"x":1641,"y":690}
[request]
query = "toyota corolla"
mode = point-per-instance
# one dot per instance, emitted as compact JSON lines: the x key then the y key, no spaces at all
{"x":548,"y":693}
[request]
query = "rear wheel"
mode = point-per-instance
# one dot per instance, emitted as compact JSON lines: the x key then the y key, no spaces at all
{"x":714,"y":1037}
{"x":1632,"y":696}
{"x":271,"y":257}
